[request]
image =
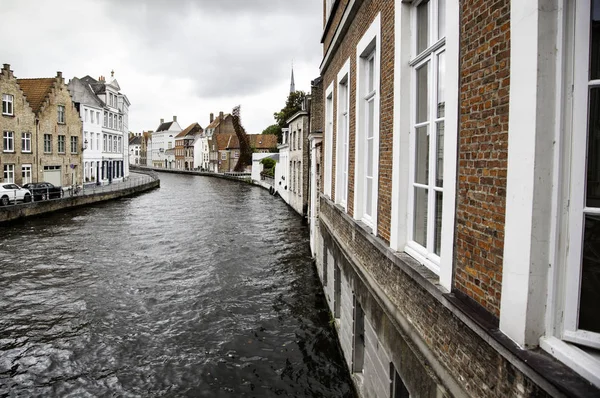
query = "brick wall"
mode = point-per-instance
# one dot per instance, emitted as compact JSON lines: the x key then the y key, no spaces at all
{"x":363,"y":19}
{"x":483,"y":150}
{"x":336,"y":19}
{"x":22,"y":120}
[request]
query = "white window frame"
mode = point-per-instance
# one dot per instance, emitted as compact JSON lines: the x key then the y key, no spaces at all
{"x":8,"y":141}
{"x":60,"y":114}
{"x":342,"y":136}
{"x":328,"y":166}
{"x":369,"y":47}
{"x":430,"y":56}
{"x":26,"y":142}
{"x":404,"y":113}
{"x":26,"y":174}
{"x":8,"y":103}
{"x":9,"y":173}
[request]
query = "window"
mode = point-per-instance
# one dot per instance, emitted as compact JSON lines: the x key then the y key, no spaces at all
{"x":7,"y":104}
{"x":9,"y":141}
{"x":236,"y":154}
{"x":86,"y":115}
{"x":358,"y":348}
{"x":98,"y":141}
{"x":367,"y":126}
{"x":223,"y":156}
{"x":25,"y":142}
{"x":9,"y":173}
{"x":120,"y":122}
{"x":427,"y":132}
{"x":26,"y":174}
{"x":92,"y":117}
{"x":581,"y":316}
{"x":74,"y":145}
{"x":61,"y":144}
{"x":110,"y":121}
{"x":397,"y":385}
{"x":47,"y":143}
{"x":342,"y":148}
{"x":119,"y":147}
{"x":105,"y":119}
{"x":105,"y":138}
{"x":97,"y":117}
{"x":328,"y":167}
{"x":61,"y":114}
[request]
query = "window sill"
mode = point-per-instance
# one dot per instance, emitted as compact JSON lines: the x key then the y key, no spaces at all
{"x":28,"y":152}
{"x":8,"y":151}
{"x":586,"y":361}
{"x":8,"y":114}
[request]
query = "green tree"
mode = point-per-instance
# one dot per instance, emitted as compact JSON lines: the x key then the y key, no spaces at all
{"x":292,"y":105}
{"x":273,"y":129}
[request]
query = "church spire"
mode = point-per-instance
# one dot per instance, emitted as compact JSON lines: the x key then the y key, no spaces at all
{"x":292,"y":85}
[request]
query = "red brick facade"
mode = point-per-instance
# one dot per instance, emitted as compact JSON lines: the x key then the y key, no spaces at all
{"x":483,"y":150}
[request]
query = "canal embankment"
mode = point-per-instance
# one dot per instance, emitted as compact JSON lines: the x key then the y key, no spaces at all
{"x":137,"y":183}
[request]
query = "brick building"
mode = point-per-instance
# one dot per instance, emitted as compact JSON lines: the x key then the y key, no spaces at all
{"x":41,"y":131}
{"x":457,"y":228}
{"x":184,"y":147}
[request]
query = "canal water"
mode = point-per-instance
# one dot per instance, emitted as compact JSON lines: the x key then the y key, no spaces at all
{"x":202,"y":288}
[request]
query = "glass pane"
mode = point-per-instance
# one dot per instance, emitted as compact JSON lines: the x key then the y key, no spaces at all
{"x":369,"y":198}
{"x":441,"y":88}
{"x":422,"y":156}
{"x":593,"y":157}
{"x":589,"y":315}
{"x":371,"y":74}
{"x":371,"y":118}
{"x":441,"y":18}
{"x":420,"y":217}
{"x":370,"y":157}
{"x":439,"y":158}
{"x":422,"y":26}
{"x":595,"y":41}
{"x":422,"y":93}
{"x":438,"y":223}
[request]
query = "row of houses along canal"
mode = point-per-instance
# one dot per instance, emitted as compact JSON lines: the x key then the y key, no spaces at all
{"x":204,"y":287}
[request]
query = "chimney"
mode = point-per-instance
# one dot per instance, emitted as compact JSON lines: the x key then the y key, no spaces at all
{"x":212,"y":117}
{"x":221,"y":116}
{"x":174,"y":118}
{"x":162,"y":121}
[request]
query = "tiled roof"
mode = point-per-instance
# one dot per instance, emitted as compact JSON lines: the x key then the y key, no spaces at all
{"x":217,"y":120}
{"x":262,"y":141}
{"x":192,"y":129}
{"x":36,"y":91}
{"x":224,"y":141}
{"x":164,"y":127}
{"x":137,"y":140}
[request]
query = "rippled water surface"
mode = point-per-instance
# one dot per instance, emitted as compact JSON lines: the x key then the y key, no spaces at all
{"x":201,"y":288}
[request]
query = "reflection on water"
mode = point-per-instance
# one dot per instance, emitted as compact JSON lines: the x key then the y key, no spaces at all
{"x":202,"y":288}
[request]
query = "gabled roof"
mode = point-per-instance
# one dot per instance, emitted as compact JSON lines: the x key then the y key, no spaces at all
{"x":96,"y":86}
{"x":82,"y":92}
{"x":36,"y":91}
{"x":136,"y":140}
{"x":262,"y":141}
{"x":224,"y":141}
{"x":217,"y":121}
{"x":191,"y":130}
{"x":164,"y":127}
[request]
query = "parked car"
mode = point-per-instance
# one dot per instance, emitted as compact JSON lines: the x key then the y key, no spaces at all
{"x":44,"y":190}
{"x":12,"y":193}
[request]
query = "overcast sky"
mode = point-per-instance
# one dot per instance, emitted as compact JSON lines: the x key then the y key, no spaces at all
{"x":172,"y":57}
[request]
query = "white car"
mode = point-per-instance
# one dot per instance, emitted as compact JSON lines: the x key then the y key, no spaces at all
{"x":12,"y":193}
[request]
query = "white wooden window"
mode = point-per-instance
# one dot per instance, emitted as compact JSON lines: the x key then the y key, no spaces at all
{"x":581,"y":315}
{"x":7,"y":104}
{"x":342,"y":147}
{"x":367,"y":126}
{"x":9,"y":173}
{"x":61,"y":113}
{"x":25,"y":142}
{"x":426,"y":171}
{"x":26,"y":174}
{"x":328,"y":167}
{"x":9,"y":141}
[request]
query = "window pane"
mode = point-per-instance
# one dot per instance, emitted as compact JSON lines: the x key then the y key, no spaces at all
{"x":371,"y":119}
{"x":369,"y":158}
{"x":369,"y":198}
{"x":422,"y":93}
{"x":441,"y":88}
{"x":422,"y":26}
{"x":371,"y":74}
{"x":422,"y":155}
{"x":441,"y":18}
{"x":593,"y":158}
{"x":595,"y":41}
{"x":420,"y":217}
{"x":439,"y":159}
{"x":589,"y":316}
{"x":438,"y":223}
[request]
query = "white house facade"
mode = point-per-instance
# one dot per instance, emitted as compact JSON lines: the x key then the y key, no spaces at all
{"x":163,"y":139}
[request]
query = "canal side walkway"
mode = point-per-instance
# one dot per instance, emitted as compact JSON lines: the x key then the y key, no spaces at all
{"x":88,"y":194}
